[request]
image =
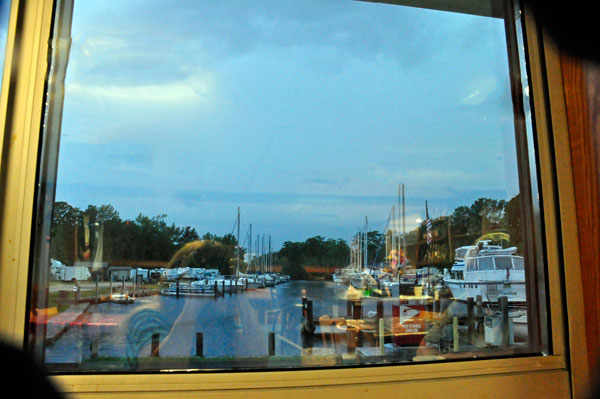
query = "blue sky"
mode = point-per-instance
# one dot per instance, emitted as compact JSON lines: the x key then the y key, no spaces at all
{"x":305,"y":114}
{"x":4,"y":14}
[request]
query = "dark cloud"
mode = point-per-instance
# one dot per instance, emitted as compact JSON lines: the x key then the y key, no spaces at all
{"x":162,"y":41}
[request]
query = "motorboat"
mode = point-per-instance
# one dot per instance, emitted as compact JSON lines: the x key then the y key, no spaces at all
{"x":487,"y":270}
{"x":122,"y":298}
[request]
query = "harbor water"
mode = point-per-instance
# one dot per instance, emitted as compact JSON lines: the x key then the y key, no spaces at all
{"x":235,"y":325}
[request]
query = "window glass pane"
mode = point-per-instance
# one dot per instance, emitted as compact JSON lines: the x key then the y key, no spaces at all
{"x":471,"y":265}
{"x":519,"y":263}
{"x":486,"y":263}
{"x":503,"y":263}
{"x":275,"y":184}
{"x":4,"y":15}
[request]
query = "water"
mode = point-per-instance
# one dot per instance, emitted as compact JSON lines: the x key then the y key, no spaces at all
{"x":235,"y":325}
{"x":235,"y":329}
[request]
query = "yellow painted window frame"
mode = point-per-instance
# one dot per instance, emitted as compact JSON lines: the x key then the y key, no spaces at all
{"x":562,"y":374}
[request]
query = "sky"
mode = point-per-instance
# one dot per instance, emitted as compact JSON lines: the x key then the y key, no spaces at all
{"x":4,"y":14}
{"x":305,"y":114}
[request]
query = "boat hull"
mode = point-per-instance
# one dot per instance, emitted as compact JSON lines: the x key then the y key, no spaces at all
{"x":490,"y":291}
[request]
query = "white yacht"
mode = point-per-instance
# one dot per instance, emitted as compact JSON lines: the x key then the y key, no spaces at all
{"x":487,"y":270}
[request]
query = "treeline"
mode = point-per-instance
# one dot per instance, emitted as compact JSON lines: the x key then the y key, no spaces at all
{"x":496,"y":220}
{"x":99,"y":234}
{"x":315,"y":252}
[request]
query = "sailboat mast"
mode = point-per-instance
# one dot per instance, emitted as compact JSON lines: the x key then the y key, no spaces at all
{"x":256,"y":264}
{"x":237,"y":266}
{"x":262,"y":253}
{"x":366,"y":242}
{"x":249,"y":250}
{"x":270,"y":260}
{"x":359,"y":253}
{"x":394,"y":247}
{"x":403,"y":223}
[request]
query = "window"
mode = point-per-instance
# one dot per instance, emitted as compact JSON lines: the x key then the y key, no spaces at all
{"x":471,"y":265}
{"x":4,"y":13}
{"x":504,"y":263}
{"x":486,"y":263}
{"x":519,"y":263}
{"x":117,"y":253}
{"x":212,"y":177}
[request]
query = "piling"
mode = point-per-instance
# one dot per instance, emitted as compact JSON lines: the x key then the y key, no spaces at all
{"x":350,"y":340}
{"x":94,"y":349}
{"x":177,"y":289}
{"x":308,"y":326}
{"x":77,"y":293}
{"x":271,"y":344}
{"x":503,"y":305}
{"x":357,"y":310}
{"x":309,"y":312}
{"x":304,"y":307}
{"x":470,"y":320}
{"x":199,"y":344}
{"x":480,"y":317}
{"x":110,"y":279}
{"x":123,"y":285}
{"x":380,"y":309}
{"x":395,"y":322}
{"x":154,"y":351}
{"x":455,"y":343}
{"x":97,"y":288}
{"x":445,"y":299}
{"x":381,"y":336}
{"x":223,"y":287}
{"x":134,"y":283}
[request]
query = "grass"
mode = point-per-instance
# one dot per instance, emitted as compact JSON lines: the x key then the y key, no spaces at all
{"x":87,"y":290}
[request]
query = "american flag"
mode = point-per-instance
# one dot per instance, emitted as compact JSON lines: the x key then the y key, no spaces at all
{"x":428,"y":226}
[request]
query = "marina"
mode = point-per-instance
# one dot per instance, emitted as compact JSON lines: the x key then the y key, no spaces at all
{"x":391,"y":302}
{"x":289,"y":324}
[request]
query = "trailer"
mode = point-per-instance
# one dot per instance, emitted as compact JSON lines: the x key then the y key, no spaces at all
{"x":139,"y":273}
{"x":74,"y":273}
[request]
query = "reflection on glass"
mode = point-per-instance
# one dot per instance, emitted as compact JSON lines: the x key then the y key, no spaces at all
{"x":274,"y":184}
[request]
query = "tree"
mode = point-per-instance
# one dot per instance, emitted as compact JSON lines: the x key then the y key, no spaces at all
{"x":513,"y":222}
{"x":375,"y":254}
{"x":65,"y":219}
{"x":460,"y":220}
{"x":292,"y":256}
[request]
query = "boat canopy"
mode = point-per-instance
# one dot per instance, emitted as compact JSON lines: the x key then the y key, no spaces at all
{"x":461,"y":252}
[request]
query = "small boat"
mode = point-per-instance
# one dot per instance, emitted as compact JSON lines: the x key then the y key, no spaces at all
{"x":267,"y":280}
{"x":122,"y":298}
{"x":338,"y":277}
{"x":251,"y":282}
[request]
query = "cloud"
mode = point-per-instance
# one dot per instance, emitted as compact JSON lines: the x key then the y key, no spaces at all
{"x":194,"y":88}
{"x":305,"y":109}
{"x":484,"y":88}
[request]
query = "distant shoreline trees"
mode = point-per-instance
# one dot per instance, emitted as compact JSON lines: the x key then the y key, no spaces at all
{"x":99,"y":234}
